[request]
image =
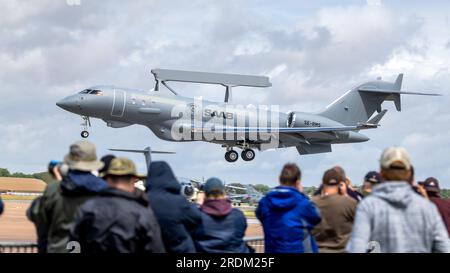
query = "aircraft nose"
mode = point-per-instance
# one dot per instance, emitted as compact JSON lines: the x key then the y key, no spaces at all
{"x":68,"y":103}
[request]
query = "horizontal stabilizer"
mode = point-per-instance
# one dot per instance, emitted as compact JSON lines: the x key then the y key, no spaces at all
{"x":387,"y":91}
{"x":211,"y":78}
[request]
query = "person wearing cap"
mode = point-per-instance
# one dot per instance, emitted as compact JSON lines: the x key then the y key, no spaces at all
{"x":431,"y":185}
{"x":119,"y":219}
{"x":370,"y":180}
{"x":346,"y":188}
{"x":177,"y":217}
{"x":393,"y":218}
{"x":223,"y":227}
{"x":337,"y":211}
{"x":61,"y":201}
{"x":288,"y":216}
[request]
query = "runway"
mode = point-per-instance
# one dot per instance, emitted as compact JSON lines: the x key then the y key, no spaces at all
{"x":15,"y":227}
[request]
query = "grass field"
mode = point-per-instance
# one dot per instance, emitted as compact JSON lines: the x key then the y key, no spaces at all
{"x":11,"y":197}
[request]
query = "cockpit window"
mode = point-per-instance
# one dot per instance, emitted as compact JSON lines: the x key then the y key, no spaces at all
{"x":92,"y":92}
{"x":96,"y":92}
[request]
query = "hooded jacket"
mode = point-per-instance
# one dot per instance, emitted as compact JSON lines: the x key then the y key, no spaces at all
{"x":177,"y":217}
{"x":395,"y":219}
{"x":61,"y":201}
{"x":288,"y":217}
{"x":116,"y":221}
{"x":222,"y":230}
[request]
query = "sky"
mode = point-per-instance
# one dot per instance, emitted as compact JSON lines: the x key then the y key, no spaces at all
{"x":313,"y":51}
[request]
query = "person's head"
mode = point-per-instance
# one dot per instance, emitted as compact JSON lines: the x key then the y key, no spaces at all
{"x":342,"y":173}
{"x":395,"y":164}
{"x":82,"y":156}
{"x":106,"y":161}
{"x":214,"y":189}
{"x":431,"y":185}
{"x":370,"y":180}
{"x":122,"y":174}
{"x":290,"y":175}
{"x":331,"y":180}
{"x":51,"y":167}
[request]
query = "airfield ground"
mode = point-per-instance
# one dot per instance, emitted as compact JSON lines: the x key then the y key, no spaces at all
{"x":15,"y":227}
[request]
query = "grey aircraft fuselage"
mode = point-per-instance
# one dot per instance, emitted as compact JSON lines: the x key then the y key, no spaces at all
{"x":173,"y":117}
{"x":120,"y":107}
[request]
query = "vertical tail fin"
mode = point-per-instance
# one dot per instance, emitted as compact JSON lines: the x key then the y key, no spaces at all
{"x":359,"y":104}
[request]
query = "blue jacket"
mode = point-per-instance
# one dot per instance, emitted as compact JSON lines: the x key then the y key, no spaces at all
{"x":223,"y":228}
{"x":177,"y":217}
{"x":288,"y":217}
{"x":1,"y":206}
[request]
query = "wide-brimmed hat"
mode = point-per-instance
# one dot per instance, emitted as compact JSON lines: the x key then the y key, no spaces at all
{"x":122,"y":166}
{"x":82,"y":156}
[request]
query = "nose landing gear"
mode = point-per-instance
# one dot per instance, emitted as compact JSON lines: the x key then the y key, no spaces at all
{"x":86,"y":123}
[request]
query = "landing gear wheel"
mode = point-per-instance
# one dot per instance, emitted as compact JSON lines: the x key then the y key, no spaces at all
{"x":248,"y":155}
{"x":231,"y":156}
{"x":85,"y":134}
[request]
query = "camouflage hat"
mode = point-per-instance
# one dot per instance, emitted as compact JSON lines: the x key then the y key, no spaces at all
{"x":122,"y":166}
{"x":82,"y":156}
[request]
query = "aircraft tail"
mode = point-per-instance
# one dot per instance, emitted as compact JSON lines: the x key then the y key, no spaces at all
{"x":146,"y":152}
{"x":358,"y":105}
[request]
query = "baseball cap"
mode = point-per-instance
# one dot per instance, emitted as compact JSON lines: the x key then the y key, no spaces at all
{"x":213,"y":184}
{"x":431,"y":184}
{"x":121,"y":166}
{"x":395,"y":158}
{"x":372,"y":177}
{"x":332,"y":177}
{"x":82,"y":156}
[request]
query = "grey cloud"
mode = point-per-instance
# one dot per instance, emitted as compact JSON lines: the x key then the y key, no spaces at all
{"x":117,"y":43}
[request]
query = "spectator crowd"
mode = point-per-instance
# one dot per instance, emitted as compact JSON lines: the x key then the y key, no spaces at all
{"x":96,"y":204}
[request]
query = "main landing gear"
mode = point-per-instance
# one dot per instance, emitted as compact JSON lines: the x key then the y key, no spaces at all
{"x":246,"y":155}
{"x":231,"y":156}
{"x":86,"y":123}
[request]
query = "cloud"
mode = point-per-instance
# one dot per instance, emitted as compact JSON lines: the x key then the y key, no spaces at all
{"x":313,"y":53}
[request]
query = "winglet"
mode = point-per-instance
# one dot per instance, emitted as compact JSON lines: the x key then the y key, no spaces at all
{"x":398,"y":82}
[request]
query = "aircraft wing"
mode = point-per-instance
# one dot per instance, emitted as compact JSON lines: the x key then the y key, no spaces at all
{"x":140,"y":151}
{"x":282,"y":129}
